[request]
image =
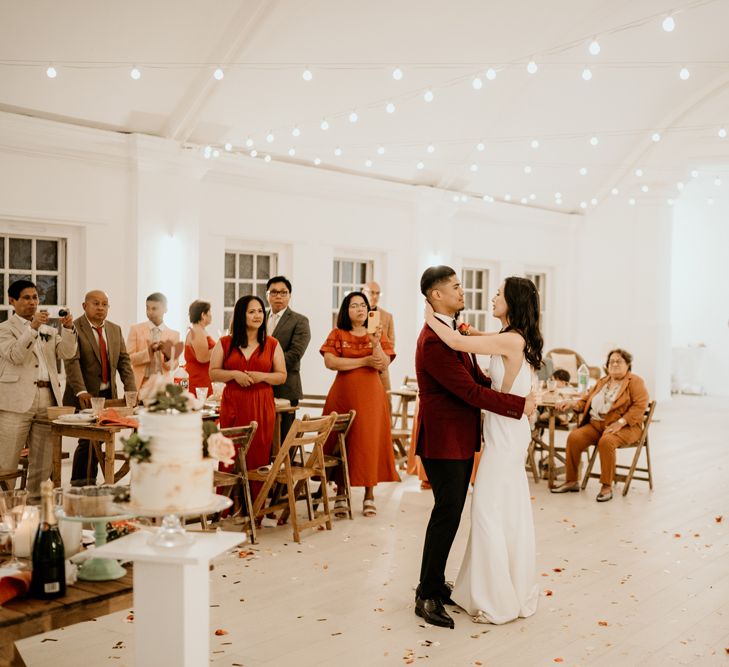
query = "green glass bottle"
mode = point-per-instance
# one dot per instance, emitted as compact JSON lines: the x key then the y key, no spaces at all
{"x":49,"y":568}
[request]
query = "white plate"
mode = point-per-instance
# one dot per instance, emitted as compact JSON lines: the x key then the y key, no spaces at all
{"x":78,"y":418}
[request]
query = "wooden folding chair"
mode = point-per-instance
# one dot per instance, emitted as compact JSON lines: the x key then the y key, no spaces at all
{"x":235,"y":484}
{"x":302,"y":433}
{"x":8,"y":477}
{"x":640,"y":444}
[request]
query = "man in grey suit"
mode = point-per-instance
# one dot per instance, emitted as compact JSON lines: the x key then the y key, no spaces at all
{"x":292,"y":332}
{"x":92,"y":371}
{"x":29,"y":354}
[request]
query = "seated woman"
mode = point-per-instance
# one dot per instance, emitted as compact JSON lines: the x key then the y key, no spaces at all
{"x":612,"y":415}
{"x":250,"y":363}
{"x":198,"y":346}
{"x":358,"y":358}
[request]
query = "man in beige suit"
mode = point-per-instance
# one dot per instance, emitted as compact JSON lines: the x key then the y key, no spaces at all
{"x":92,"y":371}
{"x":373,"y":292}
{"x":29,"y":354}
{"x":152,"y":345}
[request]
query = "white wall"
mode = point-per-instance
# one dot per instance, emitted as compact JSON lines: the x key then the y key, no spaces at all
{"x":700,"y":289}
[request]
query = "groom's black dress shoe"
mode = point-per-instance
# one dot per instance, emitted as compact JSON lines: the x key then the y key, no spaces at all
{"x":431,"y":610}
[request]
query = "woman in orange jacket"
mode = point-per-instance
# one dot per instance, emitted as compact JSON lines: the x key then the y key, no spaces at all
{"x":612,"y":415}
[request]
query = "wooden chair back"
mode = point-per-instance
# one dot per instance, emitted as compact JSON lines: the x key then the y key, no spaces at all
{"x":303,"y":433}
{"x":579,"y":360}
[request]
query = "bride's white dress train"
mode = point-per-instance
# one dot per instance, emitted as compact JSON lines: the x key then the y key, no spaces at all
{"x":497,"y":579}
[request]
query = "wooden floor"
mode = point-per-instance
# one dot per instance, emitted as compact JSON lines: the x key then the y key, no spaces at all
{"x":641,"y":580}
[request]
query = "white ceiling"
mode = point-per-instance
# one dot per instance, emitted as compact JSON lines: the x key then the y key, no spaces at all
{"x":351,"y":48}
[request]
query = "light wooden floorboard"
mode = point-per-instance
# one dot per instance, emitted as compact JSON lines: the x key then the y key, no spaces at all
{"x":345,"y":597}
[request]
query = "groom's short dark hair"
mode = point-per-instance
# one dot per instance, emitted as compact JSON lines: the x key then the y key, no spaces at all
{"x":434,"y":276}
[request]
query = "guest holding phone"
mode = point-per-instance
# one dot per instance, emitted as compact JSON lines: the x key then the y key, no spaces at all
{"x":358,"y":357}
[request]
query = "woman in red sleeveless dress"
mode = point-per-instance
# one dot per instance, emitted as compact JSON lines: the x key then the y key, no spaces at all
{"x":250,"y":363}
{"x":198,"y":346}
{"x":358,"y":358}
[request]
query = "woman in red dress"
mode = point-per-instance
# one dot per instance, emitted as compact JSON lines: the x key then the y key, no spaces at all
{"x":250,"y":363}
{"x":198,"y":346}
{"x":358,"y":358}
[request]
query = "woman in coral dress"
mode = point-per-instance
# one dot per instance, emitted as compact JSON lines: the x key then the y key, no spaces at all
{"x":198,"y":346}
{"x":250,"y":363}
{"x":358,"y":358}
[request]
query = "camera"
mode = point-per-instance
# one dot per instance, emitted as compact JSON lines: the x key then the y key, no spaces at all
{"x":62,"y":312}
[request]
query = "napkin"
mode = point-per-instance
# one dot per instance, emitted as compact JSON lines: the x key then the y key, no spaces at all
{"x":113,"y":418}
{"x":14,"y":585}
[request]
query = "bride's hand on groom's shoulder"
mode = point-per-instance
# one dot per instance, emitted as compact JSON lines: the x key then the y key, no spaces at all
{"x":428,"y":311}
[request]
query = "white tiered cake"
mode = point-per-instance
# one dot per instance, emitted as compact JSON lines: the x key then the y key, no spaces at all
{"x":176,"y":478}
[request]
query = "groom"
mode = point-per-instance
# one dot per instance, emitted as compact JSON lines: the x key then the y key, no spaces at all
{"x":452,"y":392}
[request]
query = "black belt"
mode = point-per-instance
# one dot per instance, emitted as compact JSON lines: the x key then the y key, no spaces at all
{"x":43,"y":383}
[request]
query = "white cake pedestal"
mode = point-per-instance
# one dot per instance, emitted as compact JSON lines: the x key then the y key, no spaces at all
{"x":171,"y":596}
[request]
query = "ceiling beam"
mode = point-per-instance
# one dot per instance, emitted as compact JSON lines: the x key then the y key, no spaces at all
{"x":183,"y":120}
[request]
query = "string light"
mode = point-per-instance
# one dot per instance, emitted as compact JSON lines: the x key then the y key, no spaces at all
{"x":722,"y":133}
{"x":420,"y":166}
{"x":474,"y":167}
{"x":218,"y":74}
{"x":390,"y":107}
{"x":527,"y":169}
{"x":135,"y":73}
{"x":644,"y":188}
{"x":296,"y":132}
{"x":490,"y":73}
{"x":317,"y":161}
{"x":270,"y":137}
{"x":587,"y":74}
{"x":669,"y":23}
{"x":656,"y":137}
{"x":639,"y":172}
{"x":717,"y":181}
{"x":631,"y":201}
{"x":207,"y":152}
{"x":593,"y":201}
{"x":614,"y":191}
{"x":594,"y":141}
{"x":338,"y":151}
{"x":51,"y":72}
{"x":397,"y":74}
{"x":558,"y":195}
{"x":694,"y":173}
{"x":324,"y":125}
{"x":380,"y":150}
{"x":430,"y":148}
{"x":532,"y":67}
{"x":710,"y":201}
{"x":532,"y":196}
{"x":534,"y":143}
{"x":228,"y":147}
{"x":670,"y":202}
{"x":253,"y":153}
{"x":266,"y":158}
{"x":684,"y":74}
{"x":523,"y":200}
{"x":464,"y":198}
{"x":477,"y":84}
{"x":428,"y":96}
{"x":292,"y":151}
{"x":583,"y":204}
{"x":679,"y":185}
{"x":480,"y":146}
{"x":216,"y":153}
{"x":368,"y":163}
{"x":249,"y":143}
{"x":594,"y":48}
{"x":583,"y":171}
{"x":353,"y":117}
{"x":507,"y":197}
{"x":306,"y":75}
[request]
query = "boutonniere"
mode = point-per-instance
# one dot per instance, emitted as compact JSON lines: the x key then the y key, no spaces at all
{"x":464,"y":329}
{"x":45,"y":332}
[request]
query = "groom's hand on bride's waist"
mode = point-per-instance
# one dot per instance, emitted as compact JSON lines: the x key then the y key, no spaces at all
{"x":530,"y":404}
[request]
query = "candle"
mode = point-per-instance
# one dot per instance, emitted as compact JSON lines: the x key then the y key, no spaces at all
{"x":25,"y":532}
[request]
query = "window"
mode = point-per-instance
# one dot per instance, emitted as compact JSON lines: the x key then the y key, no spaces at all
{"x":475,"y":283}
{"x":42,"y":260}
{"x":348,"y":275}
{"x":245,"y":273}
{"x":540,"y":280}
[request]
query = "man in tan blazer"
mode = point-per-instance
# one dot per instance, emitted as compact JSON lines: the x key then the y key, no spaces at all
{"x":29,"y":355}
{"x":373,"y":292}
{"x":152,"y":345}
{"x":92,"y":371}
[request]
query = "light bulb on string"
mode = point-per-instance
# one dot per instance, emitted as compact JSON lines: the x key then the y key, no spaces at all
{"x":218,"y":74}
{"x":295,"y":132}
{"x":474,"y":167}
{"x":532,"y":67}
{"x":216,"y":153}
{"x":266,"y":158}
{"x":317,"y":161}
{"x":253,"y":153}
{"x":480,"y":146}
{"x":292,"y":151}
{"x":644,"y":188}
{"x":631,"y":201}
{"x":614,"y":191}
{"x":583,"y":171}
{"x":428,"y":96}
{"x":679,"y":186}
{"x":534,"y":143}
{"x":583,"y":204}
{"x":353,"y":117}
{"x":397,"y":74}
{"x":656,"y":137}
{"x":390,"y":107}
{"x":228,"y":147}
{"x":420,"y":166}
{"x":455,"y":198}
{"x":249,"y":142}
{"x":710,"y":201}
{"x":270,"y":137}
{"x":694,"y":173}
{"x":523,"y":200}
{"x":558,"y":195}
{"x":587,"y":74}
{"x":722,"y":133}
{"x":639,"y":172}
{"x":324,"y":125}
{"x":668,"y":23}
{"x":490,"y":73}
{"x":507,"y":197}
{"x":51,"y":72}
{"x":477,"y":84}
{"x":207,"y":152}
{"x":527,"y":169}
{"x":532,"y":197}
{"x":717,"y":181}
{"x":593,"y":201}
{"x":684,"y":74}
{"x":594,"y":48}
{"x":338,"y":151}
{"x":380,"y":150}
{"x":670,"y":202}
{"x":430,"y":148}
{"x":594,"y":141}
{"x":463,"y":198}
{"x":368,"y":163}
{"x":306,"y":75}
{"x":135,"y":73}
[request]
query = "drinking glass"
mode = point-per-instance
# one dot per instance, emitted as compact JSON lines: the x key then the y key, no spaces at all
{"x":97,"y":404}
{"x":218,"y":388}
{"x":130,"y":399}
{"x":201,"y":393}
{"x":12,"y":507}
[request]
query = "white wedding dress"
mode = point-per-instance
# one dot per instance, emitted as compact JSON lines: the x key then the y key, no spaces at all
{"x":497,"y":579}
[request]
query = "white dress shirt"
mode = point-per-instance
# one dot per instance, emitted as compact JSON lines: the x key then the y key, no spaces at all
{"x":43,"y":375}
{"x":102,"y":385}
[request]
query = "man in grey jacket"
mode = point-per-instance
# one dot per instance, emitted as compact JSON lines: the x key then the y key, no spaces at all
{"x":292,"y":332}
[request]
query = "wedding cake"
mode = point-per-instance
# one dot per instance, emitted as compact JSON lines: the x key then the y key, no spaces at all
{"x":175,"y":477}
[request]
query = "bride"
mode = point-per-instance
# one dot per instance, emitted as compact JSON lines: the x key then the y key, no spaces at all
{"x":497,"y":579}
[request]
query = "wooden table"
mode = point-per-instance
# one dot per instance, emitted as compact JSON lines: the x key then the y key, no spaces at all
{"x":406,"y":397}
{"x":101,"y":437}
{"x":548,"y":400}
{"x":85,"y":600}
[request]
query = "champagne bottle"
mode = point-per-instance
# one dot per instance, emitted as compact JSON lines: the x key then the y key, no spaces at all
{"x":49,"y":568}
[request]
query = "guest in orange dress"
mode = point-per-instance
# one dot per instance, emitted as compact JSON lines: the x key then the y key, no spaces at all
{"x":250,"y":363}
{"x":198,"y":346}
{"x":358,"y":358}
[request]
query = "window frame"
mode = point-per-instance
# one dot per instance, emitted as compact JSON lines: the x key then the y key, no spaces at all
{"x":259,"y":284}
{"x":476,"y":317}
{"x":342,"y":288}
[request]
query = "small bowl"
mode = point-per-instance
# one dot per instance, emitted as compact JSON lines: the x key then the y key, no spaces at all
{"x":56,"y":411}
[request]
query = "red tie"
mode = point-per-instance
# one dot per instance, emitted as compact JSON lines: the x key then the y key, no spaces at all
{"x":104,"y":357}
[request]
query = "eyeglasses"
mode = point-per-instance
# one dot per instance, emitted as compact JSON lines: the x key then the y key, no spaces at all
{"x":618,"y":362}
{"x":275,"y":292}
{"x":358,"y":306}
{"x":373,"y":292}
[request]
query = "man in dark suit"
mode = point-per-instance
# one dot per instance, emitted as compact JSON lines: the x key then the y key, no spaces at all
{"x":292,"y":332}
{"x":452,"y":392}
{"x":92,"y":371}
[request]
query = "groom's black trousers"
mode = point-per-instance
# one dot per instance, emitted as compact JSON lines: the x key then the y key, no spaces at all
{"x":449,"y":479}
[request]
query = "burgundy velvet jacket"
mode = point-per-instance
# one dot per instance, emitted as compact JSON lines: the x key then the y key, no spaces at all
{"x":452,"y":393}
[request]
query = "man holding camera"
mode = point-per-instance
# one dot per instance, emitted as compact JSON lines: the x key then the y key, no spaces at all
{"x":92,"y":371}
{"x":29,"y":355}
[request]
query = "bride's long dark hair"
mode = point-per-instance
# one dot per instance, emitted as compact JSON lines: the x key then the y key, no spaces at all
{"x":522,"y":301}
